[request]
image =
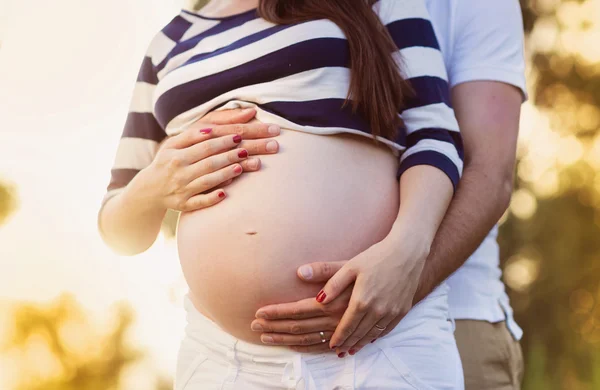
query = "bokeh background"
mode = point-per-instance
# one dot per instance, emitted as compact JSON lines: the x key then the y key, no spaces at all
{"x":73,"y":315}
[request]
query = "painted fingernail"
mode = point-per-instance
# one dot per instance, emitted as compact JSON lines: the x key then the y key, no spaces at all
{"x":272,"y":146}
{"x":257,"y":327}
{"x":221,"y":194}
{"x":238,"y":169}
{"x":243,"y":153}
{"x":205,"y":131}
{"x":274,"y":130}
{"x":307,"y":272}
{"x":237,"y":139}
{"x":267,"y":340}
{"x":321,"y":296}
{"x":352,"y":351}
{"x":341,"y":355}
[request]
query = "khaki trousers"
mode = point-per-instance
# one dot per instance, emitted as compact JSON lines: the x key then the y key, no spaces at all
{"x":492,"y":359}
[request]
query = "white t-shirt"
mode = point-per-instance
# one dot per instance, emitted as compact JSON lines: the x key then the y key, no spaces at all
{"x":481,"y":40}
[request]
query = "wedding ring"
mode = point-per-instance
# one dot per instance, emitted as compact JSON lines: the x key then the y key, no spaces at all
{"x":381,"y":328}
{"x":323,"y":339}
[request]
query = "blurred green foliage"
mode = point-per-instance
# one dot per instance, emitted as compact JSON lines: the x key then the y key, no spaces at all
{"x":56,"y":347}
{"x":58,"y":334}
{"x":8,"y":201}
{"x":551,"y":253}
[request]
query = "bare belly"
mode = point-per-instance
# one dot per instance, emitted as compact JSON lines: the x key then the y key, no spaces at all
{"x":321,"y":198}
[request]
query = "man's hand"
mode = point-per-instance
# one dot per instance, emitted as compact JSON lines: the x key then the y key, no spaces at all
{"x":298,"y":324}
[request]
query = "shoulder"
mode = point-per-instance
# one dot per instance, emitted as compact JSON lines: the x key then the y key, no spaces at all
{"x":470,"y":13}
{"x":169,"y":35}
{"x":488,"y":42}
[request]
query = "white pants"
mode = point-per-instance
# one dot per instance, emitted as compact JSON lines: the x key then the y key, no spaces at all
{"x":420,"y":353}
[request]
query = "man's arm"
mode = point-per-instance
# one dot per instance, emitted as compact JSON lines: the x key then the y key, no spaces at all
{"x":488,"y":115}
{"x":486,"y":72}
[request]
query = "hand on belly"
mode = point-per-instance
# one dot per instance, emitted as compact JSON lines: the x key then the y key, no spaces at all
{"x":321,"y":198}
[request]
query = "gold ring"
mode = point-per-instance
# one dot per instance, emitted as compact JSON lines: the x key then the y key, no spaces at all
{"x":381,"y":328}
{"x":323,"y":339}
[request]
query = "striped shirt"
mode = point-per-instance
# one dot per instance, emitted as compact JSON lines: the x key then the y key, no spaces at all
{"x":296,"y":76}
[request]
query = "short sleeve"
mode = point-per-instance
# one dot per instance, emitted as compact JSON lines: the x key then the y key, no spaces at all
{"x":488,"y":43}
{"x":431,"y":130}
{"x":141,"y":133}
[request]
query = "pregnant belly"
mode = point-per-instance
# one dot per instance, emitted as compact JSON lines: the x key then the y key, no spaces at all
{"x":321,"y":198}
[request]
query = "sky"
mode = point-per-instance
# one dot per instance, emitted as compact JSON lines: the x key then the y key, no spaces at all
{"x":67,"y":71}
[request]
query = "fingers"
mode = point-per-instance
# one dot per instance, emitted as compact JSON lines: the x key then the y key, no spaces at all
{"x":225,"y":117}
{"x":299,"y":340}
{"x":188,"y":138}
{"x":306,"y":308}
{"x":370,"y":337}
{"x":216,"y":162}
{"x":366,"y":326}
{"x":319,"y":272}
{"x":200,"y":132}
{"x":337,"y":284}
{"x":292,"y":327}
{"x":391,"y":326}
{"x":348,"y":324}
{"x":265,"y":146}
{"x":214,"y":179}
{"x":251,"y":164}
{"x":210,"y":147}
{"x":248,"y":131}
{"x":203,"y":201}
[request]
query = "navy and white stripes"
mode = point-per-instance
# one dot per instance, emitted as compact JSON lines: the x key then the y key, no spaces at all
{"x":296,"y":76}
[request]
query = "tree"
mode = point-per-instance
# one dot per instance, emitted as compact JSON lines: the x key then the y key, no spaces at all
{"x":55,"y":347}
{"x":551,"y":238}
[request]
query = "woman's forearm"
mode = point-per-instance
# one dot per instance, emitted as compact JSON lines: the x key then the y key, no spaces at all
{"x":130,"y":221}
{"x":425,"y":194}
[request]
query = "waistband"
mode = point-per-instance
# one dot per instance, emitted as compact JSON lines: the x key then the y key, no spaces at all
{"x":431,"y":310}
{"x":208,"y":339}
{"x":205,"y":331}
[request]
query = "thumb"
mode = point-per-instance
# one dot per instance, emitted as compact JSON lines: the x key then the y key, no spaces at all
{"x":319,"y":272}
{"x":337,"y":284}
{"x":230,"y":117}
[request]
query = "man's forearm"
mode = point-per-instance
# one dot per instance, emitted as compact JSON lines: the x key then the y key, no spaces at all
{"x":479,"y":203}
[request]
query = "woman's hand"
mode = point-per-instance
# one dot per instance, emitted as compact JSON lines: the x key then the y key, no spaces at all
{"x":189,"y":166}
{"x":385,"y":277}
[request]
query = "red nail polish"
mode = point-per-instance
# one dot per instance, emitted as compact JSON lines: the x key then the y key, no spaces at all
{"x":237,"y":139}
{"x":205,"y":131}
{"x":334,"y":347}
{"x":221,"y":194}
{"x":321,"y":296}
{"x":341,"y":355}
{"x":352,"y":351}
{"x":243,"y":154}
{"x":238,"y":169}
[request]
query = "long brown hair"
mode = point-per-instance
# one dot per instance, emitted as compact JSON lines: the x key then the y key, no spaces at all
{"x":377,"y":88}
